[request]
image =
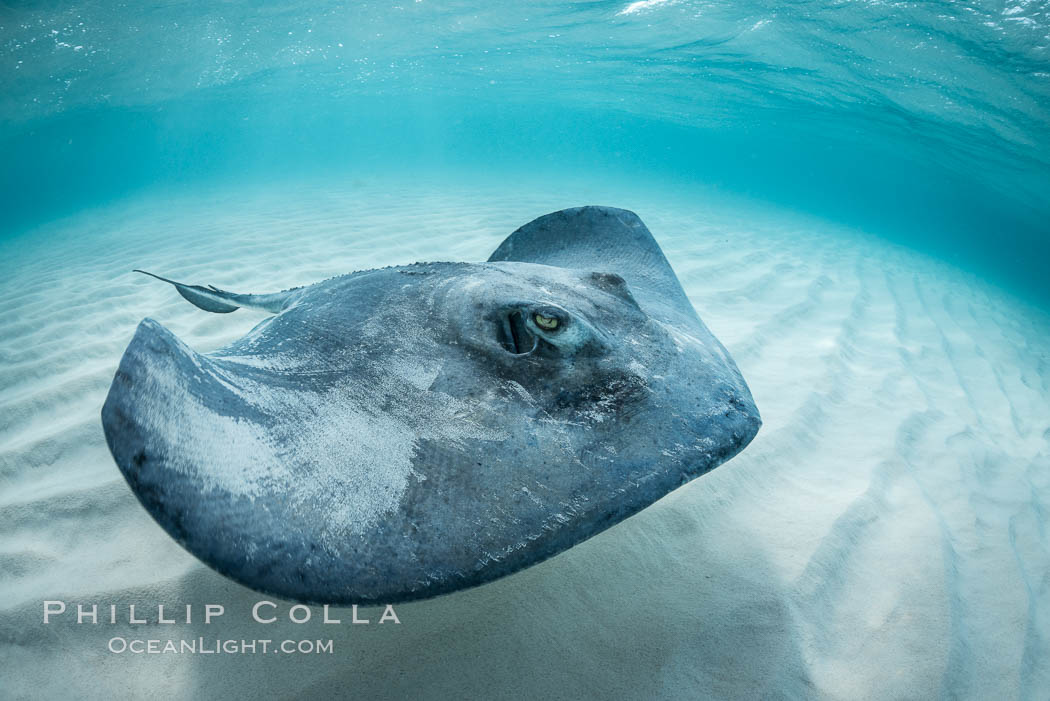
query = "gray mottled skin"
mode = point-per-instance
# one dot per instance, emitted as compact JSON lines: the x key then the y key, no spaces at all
{"x":401,"y":433}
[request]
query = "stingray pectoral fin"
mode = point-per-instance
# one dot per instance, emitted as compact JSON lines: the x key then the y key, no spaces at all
{"x":601,"y":240}
{"x":212,"y":299}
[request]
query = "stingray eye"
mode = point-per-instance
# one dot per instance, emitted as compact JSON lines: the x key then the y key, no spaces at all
{"x":547,"y":323}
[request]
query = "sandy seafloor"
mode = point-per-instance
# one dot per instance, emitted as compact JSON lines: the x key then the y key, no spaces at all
{"x":884,"y":536}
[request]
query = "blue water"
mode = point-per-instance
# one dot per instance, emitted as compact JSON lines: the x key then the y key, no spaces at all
{"x":928,"y":123}
{"x":885,"y":536}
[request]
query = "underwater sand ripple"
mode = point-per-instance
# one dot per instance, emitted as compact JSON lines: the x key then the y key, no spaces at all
{"x":884,"y":536}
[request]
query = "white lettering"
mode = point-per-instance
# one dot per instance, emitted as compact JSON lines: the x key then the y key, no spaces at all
{"x":49,"y":609}
{"x":160,"y":615}
{"x":389,"y":615}
{"x":93,"y":614}
{"x":255,"y":612}
{"x":291,"y":613}
{"x":213,"y":610}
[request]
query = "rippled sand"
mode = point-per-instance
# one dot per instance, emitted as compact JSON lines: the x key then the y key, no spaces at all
{"x":884,"y":536}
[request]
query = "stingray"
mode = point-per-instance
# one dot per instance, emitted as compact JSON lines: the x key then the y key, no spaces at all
{"x":401,"y":433}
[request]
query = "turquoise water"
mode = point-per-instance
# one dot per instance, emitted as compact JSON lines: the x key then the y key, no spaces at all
{"x":927,"y":123}
{"x":855,"y":197}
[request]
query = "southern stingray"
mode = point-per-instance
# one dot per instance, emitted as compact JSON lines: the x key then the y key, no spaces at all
{"x":401,"y":433}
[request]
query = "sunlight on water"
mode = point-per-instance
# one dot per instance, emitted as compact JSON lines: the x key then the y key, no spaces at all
{"x":928,"y":122}
{"x":854,"y":194}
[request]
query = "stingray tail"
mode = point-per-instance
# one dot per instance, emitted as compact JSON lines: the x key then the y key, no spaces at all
{"x":212,"y":299}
